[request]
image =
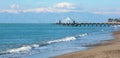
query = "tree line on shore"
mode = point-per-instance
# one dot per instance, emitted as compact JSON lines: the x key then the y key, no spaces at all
{"x":114,"y":20}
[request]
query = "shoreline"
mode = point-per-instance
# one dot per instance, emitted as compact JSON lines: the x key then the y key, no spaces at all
{"x":105,"y":49}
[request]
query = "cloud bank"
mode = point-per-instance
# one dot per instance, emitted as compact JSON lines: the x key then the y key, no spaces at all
{"x":106,"y":11}
{"x":59,"y":8}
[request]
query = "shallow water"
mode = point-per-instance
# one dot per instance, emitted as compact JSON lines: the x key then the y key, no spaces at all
{"x":47,"y":40}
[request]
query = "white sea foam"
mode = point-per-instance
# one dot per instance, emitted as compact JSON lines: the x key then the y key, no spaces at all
{"x":85,"y":34}
{"x":118,"y":25}
{"x":28,"y":48}
{"x":35,"y":45}
{"x":23,"y":49}
{"x":62,"y":40}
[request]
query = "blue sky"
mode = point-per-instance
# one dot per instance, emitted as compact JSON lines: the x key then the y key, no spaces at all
{"x":39,"y":3}
{"x":20,"y":7}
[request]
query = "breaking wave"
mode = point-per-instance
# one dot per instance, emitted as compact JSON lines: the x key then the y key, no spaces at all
{"x":28,"y":48}
{"x":23,"y":49}
{"x":67,"y":38}
{"x":82,"y":35}
{"x":62,"y":40}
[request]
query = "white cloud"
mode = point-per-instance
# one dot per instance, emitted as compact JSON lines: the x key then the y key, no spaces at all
{"x":60,"y":7}
{"x":34,"y":10}
{"x":49,"y":9}
{"x":14,"y":6}
{"x":106,"y":11}
{"x":57,"y":8}
{"x":65,"y":5}
{"x":10,"y":11}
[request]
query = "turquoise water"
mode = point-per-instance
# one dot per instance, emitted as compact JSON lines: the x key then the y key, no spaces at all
{"x":47,"y":40}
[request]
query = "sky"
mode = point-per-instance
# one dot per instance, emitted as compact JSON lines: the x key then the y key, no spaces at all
{"x":19,"y":8}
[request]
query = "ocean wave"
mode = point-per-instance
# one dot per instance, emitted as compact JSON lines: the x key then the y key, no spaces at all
{"x":116,"y":26}
{"x":35,"y":45}
{"x":23,"y":49}
{"x":28,"y":48}
{"x":82,"y":35}
{"x":67,"y":38}
{"x":62,"y":40}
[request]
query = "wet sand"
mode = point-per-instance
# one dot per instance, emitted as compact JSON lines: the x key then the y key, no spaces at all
{"x":107,"y":49}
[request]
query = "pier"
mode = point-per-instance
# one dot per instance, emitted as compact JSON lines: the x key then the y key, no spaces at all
{"x":89,"y":24}
{"x":70,"y":22}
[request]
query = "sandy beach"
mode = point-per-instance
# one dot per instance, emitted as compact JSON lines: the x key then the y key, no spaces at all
{"x":107,"y":49}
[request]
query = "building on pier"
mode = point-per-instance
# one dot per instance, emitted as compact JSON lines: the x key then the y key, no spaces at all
{"x":68,"y":20}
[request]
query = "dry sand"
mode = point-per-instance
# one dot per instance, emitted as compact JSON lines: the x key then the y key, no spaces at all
{"x":109,"y":49}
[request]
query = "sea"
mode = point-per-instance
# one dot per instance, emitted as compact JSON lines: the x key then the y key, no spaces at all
{"x":45,"y":40}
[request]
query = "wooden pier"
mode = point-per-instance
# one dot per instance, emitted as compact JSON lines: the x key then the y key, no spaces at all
{"x":70,"y":22}
{"x":90,"y":24}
